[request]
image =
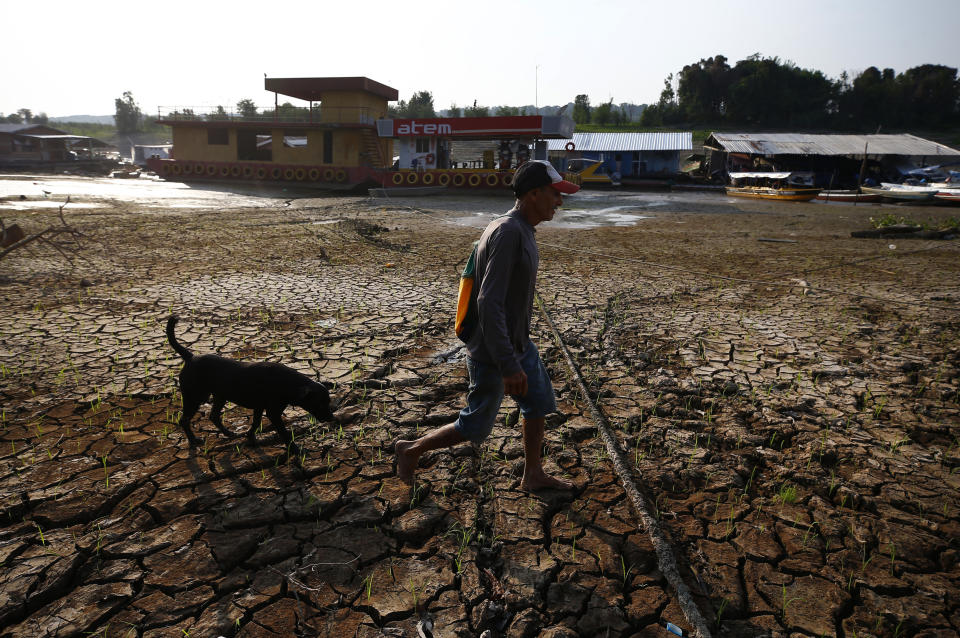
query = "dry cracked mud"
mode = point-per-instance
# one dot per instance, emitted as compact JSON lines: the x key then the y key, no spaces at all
{"x":794,"y":428}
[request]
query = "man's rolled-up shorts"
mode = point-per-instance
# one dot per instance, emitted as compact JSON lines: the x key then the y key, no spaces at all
{"x":485,"y":394}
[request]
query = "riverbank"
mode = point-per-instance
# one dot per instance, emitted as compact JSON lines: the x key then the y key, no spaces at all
{"x":789,"y":409}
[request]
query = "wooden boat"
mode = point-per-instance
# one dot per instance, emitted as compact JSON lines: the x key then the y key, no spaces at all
{"x":783,"y":194}
{"x":947,"y":197}
{"x":897,"y":192}
{"x":847,"y":196}
{"x":590,"y":172}
{"x":782,"y":186}
{"x":124,"y":173}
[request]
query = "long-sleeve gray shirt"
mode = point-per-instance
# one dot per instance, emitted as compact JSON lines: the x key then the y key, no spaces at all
{"x":506,"y":275}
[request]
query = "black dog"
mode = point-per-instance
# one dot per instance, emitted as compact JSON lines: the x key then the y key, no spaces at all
{"x":263,"y":387}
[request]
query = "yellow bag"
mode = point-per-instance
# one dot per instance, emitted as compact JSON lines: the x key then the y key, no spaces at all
{"x":467,"y":315}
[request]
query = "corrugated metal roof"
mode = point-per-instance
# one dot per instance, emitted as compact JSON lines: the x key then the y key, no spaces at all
{"x":809,"y":144}
{"x":682,"y":141}
{"x":16,"y":128}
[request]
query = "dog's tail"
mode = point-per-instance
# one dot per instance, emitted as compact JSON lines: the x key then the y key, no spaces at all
{"x":185,"y":354}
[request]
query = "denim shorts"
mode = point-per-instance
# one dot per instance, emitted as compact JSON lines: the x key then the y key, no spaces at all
{"x":485,"y":394}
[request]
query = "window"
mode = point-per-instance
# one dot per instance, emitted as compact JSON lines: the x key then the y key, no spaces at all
{"x":294,"y":139}
{"x":22,"y":144}
{"x":423,"y":144}
{"x":254,"y":145}
{"x":328,"y":147}
{"x":218,"y":136}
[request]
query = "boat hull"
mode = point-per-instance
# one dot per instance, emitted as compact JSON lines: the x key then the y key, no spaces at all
{"x":901,"y":195}
{"x":952,"y":199}
{"x":778,"y":194}
{"x":847,"y":196}
{"x":329,"y":177}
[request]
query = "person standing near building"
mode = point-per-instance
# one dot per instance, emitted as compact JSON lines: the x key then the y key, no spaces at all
{"x":501,"y":358}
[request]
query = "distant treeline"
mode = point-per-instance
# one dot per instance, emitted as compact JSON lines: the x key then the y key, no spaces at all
{"x":755,"y":92}
{"x":765,"y":92}
{"x":759,"y":92}
{"x":24,"y":116}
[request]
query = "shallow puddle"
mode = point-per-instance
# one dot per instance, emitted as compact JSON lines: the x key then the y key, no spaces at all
{"x":31,"y":204}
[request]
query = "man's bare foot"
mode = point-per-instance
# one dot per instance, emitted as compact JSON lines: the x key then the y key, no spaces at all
{"x":543,"y":481}
{"x":406,"y":465}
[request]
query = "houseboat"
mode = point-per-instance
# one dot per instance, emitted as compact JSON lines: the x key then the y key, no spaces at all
{"x":345,"y":139}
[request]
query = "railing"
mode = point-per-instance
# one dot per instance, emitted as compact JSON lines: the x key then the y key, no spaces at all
{"x":282,"y":114}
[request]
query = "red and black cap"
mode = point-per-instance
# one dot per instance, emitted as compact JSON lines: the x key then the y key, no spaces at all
{"x":536,"y":173}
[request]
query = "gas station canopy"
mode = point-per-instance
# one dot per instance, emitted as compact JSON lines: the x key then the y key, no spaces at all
{"x":479,"y":128}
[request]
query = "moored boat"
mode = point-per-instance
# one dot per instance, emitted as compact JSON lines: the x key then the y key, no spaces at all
{"x":947,"y":197}
{"x":783,"y":186}
{"x":901,"y":193}
{"x":590,"y":172}
{"x":847,"y":196}
{"x":125,"y":171}
{"x":951,"y":187}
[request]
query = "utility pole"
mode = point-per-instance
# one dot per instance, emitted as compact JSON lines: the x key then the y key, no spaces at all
{"x":536,"y":89}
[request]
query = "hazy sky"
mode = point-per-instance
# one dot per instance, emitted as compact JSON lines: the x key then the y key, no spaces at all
{"x":69,"y":57}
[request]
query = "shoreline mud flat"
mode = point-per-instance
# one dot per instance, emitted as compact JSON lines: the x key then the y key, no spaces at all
{"x":795,"y":427}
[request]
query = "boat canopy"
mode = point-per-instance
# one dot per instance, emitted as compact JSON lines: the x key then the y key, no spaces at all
{"x":770,"y":175}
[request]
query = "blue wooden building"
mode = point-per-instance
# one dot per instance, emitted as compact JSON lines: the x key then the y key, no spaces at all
{"x":642,"y":155}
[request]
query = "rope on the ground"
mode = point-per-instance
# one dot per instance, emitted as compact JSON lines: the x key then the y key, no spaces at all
{"x":663,"y":550}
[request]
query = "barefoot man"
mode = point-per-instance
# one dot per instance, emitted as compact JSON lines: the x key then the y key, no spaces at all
{"x":501,"y":359}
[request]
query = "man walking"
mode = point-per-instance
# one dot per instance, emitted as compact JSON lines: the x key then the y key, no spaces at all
{"x":501,"y":358}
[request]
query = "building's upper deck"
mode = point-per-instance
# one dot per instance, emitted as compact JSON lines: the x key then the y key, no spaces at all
{"x":318,"y":116}
{"x":332,"y":102}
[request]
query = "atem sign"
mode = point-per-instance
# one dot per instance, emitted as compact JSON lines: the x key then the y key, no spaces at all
{"x":414,"y":127}
{"x":477,"y":127}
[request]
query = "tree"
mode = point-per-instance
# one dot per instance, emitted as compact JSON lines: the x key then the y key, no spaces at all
{"x":617,"y":117}
{"x":603,"y":113}
{"x":219,"y":114}
{"x":246,"y":108}
{"x":667,"y":109}
{"x":26,"y":114}
{"x":507,"y":111}
{"x":14,"y":118}
{"x":931,"y":95}
{"x":397,"y":110}
{"x":455,"y":111}
{"x":702,"y":89}
{"x":128,"y":115}
{"x":420,"y":105}
{"x":185,"y":114}
{"x":766,"y":92}
{"x":41,"y":118}
{"x":476,"y":111}
{"x":581,"y":109}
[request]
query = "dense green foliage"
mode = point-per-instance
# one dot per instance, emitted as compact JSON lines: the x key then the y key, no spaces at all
{"x":420,"y":105}
{"x":476,"y":111}
{"x":150,"y":133}
{"x":765,"y":92}
{"x":755,"y":93}
{"x":247,"y":108}
{"x":581,"y":109}
{"x":128,"y":115}
{"x":23,"y":116}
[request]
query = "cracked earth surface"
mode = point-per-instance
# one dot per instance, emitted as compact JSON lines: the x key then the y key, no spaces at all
{"x":800,"y":447}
